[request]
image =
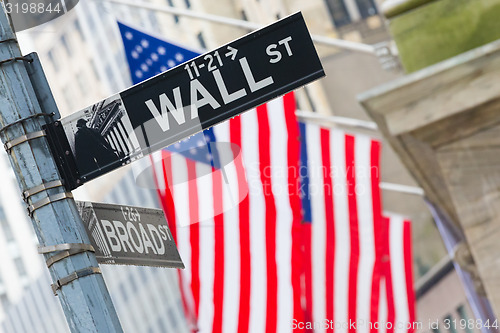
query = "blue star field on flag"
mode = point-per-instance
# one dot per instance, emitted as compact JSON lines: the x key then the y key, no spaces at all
{"x":148,"y":56}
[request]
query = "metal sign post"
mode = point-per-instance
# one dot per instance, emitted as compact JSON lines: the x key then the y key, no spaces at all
{"x":23,"y":109}
{"x":183,"y":101}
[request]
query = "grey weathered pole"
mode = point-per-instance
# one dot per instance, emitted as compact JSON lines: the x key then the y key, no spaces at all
{"x":58,"y":226}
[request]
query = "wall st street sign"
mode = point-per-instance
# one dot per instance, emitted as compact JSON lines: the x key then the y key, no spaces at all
{"x":183,"y":101}
{"x":126,"y":235}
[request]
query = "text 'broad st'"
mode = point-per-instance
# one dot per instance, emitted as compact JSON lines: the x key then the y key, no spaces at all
{"x":129,"y":235}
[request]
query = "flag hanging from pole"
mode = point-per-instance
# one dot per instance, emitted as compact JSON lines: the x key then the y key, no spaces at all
{"x":345,"y":236}
{"x":342,"y":203}
{"x":397,"y":294}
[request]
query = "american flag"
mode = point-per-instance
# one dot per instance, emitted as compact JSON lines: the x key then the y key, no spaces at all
{"x":346,"y":246}
{"x":397,"y":295}
{"x":235,"y":227}
{"x":148,"y":56}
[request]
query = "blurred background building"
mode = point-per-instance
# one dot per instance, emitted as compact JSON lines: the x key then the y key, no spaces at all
{"x":438,"y":284}
{"x":83,"y":58}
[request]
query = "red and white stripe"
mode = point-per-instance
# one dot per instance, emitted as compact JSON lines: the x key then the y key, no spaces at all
{"x":240,"y":275}
{"x":344,"y":243}
{"x":397,"y":295}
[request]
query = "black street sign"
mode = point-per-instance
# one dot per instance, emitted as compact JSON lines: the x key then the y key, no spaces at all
{"x":126,"y":235}
{"x":176,"y":104}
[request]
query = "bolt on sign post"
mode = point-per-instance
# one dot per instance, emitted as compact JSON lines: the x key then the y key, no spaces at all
{"x":185,"y":100}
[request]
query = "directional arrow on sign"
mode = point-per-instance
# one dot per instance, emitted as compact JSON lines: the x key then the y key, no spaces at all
{"x":232,"y":52}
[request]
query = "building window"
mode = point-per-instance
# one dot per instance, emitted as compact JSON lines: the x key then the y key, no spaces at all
{"x":161,"y":325}
{"x":68,"y":96}
{"x":463,"y":315}
{"x":142,"y":272}
{"x":91,"y":22}
{"x":201,"y":40}
{"x":338,"y":12}
{"x":102,"y":11}
{"x":161,"y":290}
{"x":124,"y":293}
{"x":78,"y":28}
{"x":448,"y":323}
{"x":111,"y":78}
{"x":171,"y":317}
{"x":152,"y":19}
{"x":188,"y":3}
{"x":82,"y":84}
{"x":5,"y":301}
{"x":7,"y":231}
{"x":94,"y":69}
{"x":171,"y":4}
{"x":53,"y":60}
{"x":133,"y":284}
{"x":244,"y":15}
{"x":20,"y":266}
{"x":64,"y":42}
{"x":366,"y":8}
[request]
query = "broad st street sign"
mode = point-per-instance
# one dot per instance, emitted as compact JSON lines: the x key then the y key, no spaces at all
{"x":183,"y":101}
{"x":126,"y":235}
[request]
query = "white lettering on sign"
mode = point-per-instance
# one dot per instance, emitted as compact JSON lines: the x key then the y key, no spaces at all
{"x":109,"y":230}
{"x":165,"y":233}
{"x":207,"y":98}
{"x":227,"y":97}
{"x":146,"y":240}
{"x":136,"y":237}
{"x":166,"y":107}
{"x":121,"y":230}
{"x":199,"y":94}
{"x":287,"y":47}
{"x":254,"y":86}
{"x":155,"y":235}
{"x":272,"y":51}
{"x":130,"y":214}
{"x":137,"y":240}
